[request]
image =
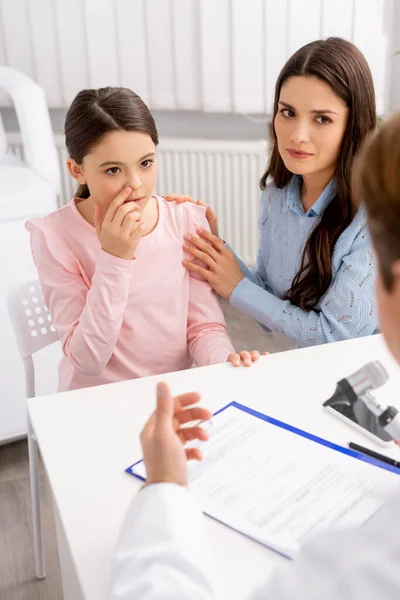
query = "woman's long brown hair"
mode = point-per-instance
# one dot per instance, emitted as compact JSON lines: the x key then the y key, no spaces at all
{"x":93,"y":113}
{"x":344,"y":68}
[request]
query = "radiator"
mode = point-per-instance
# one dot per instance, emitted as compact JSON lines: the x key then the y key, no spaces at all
{"x":224,"y":174}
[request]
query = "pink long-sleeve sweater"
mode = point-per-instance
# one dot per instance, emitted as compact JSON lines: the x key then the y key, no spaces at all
{"x":121,"y":319}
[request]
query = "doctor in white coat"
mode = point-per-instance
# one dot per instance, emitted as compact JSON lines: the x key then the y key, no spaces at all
{"x":162,"y":553}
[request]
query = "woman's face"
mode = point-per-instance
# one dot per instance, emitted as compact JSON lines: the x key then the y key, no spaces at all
{"x":310,"y":125}
{"x":120,"y":159}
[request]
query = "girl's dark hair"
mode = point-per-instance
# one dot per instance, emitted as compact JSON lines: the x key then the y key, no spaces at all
{"x":93,"y":113}
{"x":344,"y":68}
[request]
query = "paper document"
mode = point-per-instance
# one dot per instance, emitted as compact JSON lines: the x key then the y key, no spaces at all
{"x":278,"y":487}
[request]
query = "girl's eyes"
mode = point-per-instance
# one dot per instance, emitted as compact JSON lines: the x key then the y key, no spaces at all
{"x":146,"y":164}
{"x":322,"y":120}
{"x":113,"y":171}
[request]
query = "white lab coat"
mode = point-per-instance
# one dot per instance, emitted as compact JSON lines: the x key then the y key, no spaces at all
{"x":162,"y":554}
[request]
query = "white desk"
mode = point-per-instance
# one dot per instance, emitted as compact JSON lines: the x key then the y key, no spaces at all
{"x":88,"y":437}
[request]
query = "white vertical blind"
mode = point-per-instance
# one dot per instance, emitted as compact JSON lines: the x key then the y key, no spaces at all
{"x":44,"y":46}
{"x":331,"y":25}
{"x":161,"y":65}
{"x":3,"y":59}
{"x":71,"y":35}
{"x":370,"y":37}
{"x":275,"y":46}
{"x":17,"y":35}
{"x":4,"y":100}
{"x":212,"y":55}
{"x":304,"y":23}
{"x":132,"y":46}
{"x":216,"y":55}
{"x":187,"y":60}
{"x":248,"y":56}
{"x":101,"y":37}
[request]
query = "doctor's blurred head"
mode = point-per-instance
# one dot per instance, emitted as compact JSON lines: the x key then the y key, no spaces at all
{"x":377,"y":185}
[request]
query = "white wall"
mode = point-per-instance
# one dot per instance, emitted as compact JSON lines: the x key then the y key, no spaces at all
{"x":198,"y":55}
{"x":394,"y":61}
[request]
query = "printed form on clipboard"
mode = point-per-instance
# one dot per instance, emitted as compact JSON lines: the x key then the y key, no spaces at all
{"x":279,"y":485}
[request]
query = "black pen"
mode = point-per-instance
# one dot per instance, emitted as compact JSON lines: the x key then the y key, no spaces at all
{"x":373,"y":454}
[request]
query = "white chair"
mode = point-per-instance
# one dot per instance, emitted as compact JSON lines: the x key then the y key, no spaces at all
{"x":33,"y":329}
{"x":25,"y":181}
{"x":29,"y":187}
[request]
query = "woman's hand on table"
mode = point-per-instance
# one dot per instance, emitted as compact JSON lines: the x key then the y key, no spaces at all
{"x":222,"y":269}
{"x":165,"y":433}
{"x":210,"y":214}
{"x":244,"y":358}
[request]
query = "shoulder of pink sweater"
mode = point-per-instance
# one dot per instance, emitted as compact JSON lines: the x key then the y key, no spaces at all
{"x":187,"y":216}
{"x":57,"y":220}
{"x":48,"y":233}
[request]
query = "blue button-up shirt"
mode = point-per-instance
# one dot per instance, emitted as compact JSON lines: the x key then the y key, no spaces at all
{"x":346,"y":310}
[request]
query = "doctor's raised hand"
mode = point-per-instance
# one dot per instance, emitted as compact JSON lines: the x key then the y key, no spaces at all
{"x":164,"y":435}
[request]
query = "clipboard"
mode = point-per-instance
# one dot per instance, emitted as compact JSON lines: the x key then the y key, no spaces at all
{"x":384,"y":476}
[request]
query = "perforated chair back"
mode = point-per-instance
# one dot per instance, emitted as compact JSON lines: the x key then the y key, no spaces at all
{"x":32,"y":325}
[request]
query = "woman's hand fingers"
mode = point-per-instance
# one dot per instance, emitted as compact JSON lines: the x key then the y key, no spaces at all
{"x":180,"y":199}
{"x":212,"y":220}
{"x":214,"y":240}
{"x":223,"y":275}
{"x":200,"y":255}
{"x":204,"y":273}
{"x":210,"y":214}
{"x":201,"y":244}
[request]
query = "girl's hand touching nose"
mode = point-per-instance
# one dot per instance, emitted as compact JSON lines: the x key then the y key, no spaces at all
{"x":120,"y":230}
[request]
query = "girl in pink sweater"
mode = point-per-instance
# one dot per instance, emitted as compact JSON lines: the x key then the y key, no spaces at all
{"x":110,"y":261}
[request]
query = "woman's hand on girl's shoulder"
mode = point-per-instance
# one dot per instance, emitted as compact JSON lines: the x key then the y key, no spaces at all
{"x":244,"y":358}
{"x":210,"y":214}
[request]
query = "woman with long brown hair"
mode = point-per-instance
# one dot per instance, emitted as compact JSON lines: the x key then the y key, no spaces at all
{"x":315,"y":266}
